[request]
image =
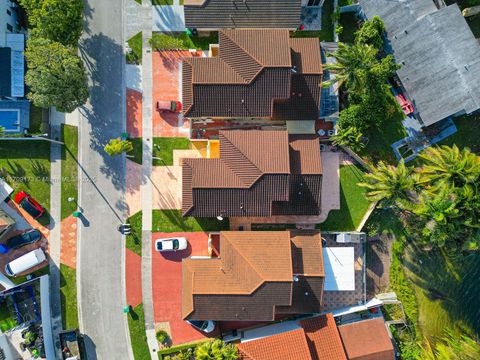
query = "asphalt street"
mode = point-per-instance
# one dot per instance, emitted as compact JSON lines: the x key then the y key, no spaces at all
{"x":100,"y":262}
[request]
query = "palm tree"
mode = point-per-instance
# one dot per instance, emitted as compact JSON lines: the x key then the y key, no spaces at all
{"x":216,"y":350}
{"x":390,"y":184}
{"x":350,"y":137}
{"x":353,"y":62}
{"x":450,"y":166}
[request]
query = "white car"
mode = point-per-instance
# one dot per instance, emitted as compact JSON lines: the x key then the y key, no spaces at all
{"x":207,"y":326}
{"x":171,"y":244}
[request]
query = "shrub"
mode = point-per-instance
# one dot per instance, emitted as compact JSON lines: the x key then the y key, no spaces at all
{"x":162,"y":337}
{"x":166,"y":42}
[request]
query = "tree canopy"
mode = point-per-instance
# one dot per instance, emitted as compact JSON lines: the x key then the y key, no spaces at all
{"x":371,"y":33}
{"x":216,"y":350}
{"x":56,"y":75}
{"x":118,"y":146}
{"x":57,"y":20}
{"x":441,"y":195}
{"x":451,"y":347}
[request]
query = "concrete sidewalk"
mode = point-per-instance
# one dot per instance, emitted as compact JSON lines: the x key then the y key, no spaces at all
{"x":146,"y":185}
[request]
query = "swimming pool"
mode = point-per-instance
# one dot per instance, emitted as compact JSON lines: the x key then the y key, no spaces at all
{"x":10,"y":120}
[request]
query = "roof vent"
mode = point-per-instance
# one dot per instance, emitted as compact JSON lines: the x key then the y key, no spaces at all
{"x":295,"y":278}
{"x":293,"y":69}
{"x":306,"y":293}
{"x":466,"y":68}
{"x":406,"y":32}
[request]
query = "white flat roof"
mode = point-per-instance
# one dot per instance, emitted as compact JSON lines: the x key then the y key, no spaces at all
{"x":339,"y":264}
{"x":5,"y":190}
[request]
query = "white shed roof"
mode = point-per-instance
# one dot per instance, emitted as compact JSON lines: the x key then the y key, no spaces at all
{"x":339,"y":264}
{"x":5,"y":190}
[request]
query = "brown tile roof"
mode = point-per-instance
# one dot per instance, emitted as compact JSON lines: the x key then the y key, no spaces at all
{"x":367,"y":340}
{"x":222,"y":14}
{"x":306,"y":252}
{"x":252,"y":277}
{"x":285,"y":346}
{"x":252,"y":77}
{"x":323,"y":338}
{"x":259,"y":173}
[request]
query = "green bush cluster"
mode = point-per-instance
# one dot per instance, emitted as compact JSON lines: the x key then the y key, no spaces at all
{"x":166,"y":42}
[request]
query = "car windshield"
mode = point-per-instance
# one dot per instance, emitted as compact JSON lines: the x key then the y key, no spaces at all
{"x":176,"y":244}
{"x":159,"y":245}
{"x":29,"y":208}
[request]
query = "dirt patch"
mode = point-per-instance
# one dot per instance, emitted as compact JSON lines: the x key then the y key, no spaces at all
{"x":378,"y":264}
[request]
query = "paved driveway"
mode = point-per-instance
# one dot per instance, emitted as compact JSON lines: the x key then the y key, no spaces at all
{"x":167,"y":18}
{"x":167,"y":285}
{"x":166,"y":72}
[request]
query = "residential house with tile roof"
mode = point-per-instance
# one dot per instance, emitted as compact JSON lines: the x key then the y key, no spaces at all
{"x":259,"y":275}
{"x":257,"y":74}
{"x":211,"y":15}
{"x":259,"y":173}
{"x":315,"y":339}
{"x":367,"y":340}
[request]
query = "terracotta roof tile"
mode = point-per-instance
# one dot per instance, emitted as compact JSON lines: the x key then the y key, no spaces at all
{"x":323,"y":338}
{"x":367,"y":340}
{"x":285,"y":346}
{"x":259,"y":173}
{"x":252,"y":77}
{"x":252,"y":277}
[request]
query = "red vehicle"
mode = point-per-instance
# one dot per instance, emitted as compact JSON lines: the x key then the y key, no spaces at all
{"x":29,"y":204}
{"x":172,"y":106}
{"x":407,"y":106}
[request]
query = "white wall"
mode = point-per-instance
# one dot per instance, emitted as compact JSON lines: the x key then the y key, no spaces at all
{"x":5,"y":19}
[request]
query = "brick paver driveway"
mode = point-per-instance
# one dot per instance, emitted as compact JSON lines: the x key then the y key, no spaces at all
{"x":167,"y":284}
{"x":166,"y":66}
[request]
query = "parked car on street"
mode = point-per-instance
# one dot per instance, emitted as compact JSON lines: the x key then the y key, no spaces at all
{"x":171,"y":244}
{"x":25,"y":262}
{"x":207,"y":326}
{"x":28,"y":237}
{"x":29,"y":204}
{"x":172,"y":106}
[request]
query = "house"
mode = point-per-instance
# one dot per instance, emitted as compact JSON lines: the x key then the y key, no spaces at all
{"x":259,"y":173}
{"x":14,"y":109}
{"x":209,"y":15}
{"x":438,"y":54}
{"x":259,"y":275}
{"x":10,"y":20}
{"x":367,"y":340}
{"x":258,"y":74}
{"x":316,"y":338}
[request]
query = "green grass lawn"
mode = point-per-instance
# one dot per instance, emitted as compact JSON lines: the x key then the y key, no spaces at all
{"x":326,"y":34}
{"x":170,"y":221}
{"x":350,"y":26}
{"x":353,"y":204}
{"x":468,"y":133}
{"x":446,"y":288}
{"x":438,"y":289}
{"x":166,"y":145}
{"x":381,"y":137}
{"x":25,"y":164}
{"x":162,"y":2}
{"x":68,"y":294}
{"x":192,"y":42}
{"x":138,"y":337}
{"x":135,"y":43}
{"x":69,"y":169}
